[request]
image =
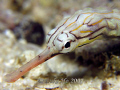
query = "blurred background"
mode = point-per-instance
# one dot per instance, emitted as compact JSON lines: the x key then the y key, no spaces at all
{"x":23,"y":28}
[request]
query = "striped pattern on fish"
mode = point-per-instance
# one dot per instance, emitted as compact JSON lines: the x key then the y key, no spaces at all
{"x":82,"y":28}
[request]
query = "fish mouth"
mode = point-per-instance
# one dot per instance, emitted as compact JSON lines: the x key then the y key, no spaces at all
{"x":39,"y":59}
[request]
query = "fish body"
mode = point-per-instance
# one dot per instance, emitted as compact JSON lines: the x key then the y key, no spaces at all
{"x":82,"y":28}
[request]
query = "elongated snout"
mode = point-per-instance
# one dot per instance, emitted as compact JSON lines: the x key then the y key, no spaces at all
{"x":44,"y":56}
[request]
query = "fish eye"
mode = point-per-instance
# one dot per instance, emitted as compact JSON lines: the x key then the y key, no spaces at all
{"x":67,"y":45}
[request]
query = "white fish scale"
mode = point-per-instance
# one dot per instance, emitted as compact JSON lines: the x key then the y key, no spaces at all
{"x":56,"y":31}
{"x":89,"y":18}
{"x":112,"y":23}
{"x":95,"y":18}
{"x":72,"y":18}
{"x":110,"y":15}
{"x":82,"y":18}
{"x":49,"y":34}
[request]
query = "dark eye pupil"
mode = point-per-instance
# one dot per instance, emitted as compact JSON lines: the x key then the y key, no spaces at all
{"x":67,"y":45}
